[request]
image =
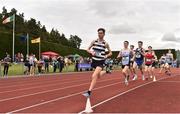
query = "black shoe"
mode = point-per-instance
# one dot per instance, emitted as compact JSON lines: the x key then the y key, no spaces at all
{"x":86,"y":94}
{"x":108,"y":72}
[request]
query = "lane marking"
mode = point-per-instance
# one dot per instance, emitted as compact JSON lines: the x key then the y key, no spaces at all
{"x":52,"y":90}
{"x":48,"y":85}
{"x":130,"y":90}
{"x":60,"y":98}
{"x":36,"y":81}
{"x":170,"y":81}
{"x":71,"y":95}
{"x":50,"y":74}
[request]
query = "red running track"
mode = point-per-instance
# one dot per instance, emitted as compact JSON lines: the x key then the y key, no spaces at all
{"x":62,"y":94}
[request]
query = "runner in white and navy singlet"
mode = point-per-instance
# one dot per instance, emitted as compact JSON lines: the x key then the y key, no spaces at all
{"x":97,"y":50}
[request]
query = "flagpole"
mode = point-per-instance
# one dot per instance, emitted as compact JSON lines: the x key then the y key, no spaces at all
{"x":27,"y":44}
{"x":13,"y":37}
{"x":40,"y":49}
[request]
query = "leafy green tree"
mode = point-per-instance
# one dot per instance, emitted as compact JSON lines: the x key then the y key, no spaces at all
{"x":75,"y":41}
{"x":35,"y":29}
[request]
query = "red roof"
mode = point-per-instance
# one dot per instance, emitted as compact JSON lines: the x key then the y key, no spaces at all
{"x":49,"y":53}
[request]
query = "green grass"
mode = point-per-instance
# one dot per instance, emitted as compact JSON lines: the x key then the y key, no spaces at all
{"x":18,"y":69}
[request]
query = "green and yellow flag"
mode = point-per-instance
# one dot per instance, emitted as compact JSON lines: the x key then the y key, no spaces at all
{"x":37,"y":40}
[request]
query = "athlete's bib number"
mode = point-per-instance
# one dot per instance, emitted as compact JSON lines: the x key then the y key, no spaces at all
{"x":98,"y":53}
{"x":148,"y":60}
{"x":125,"y":60}
{"x":138,"y":56}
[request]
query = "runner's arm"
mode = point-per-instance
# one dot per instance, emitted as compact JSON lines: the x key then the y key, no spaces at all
{"x":172,"y":57}
{"x":134,"y":56}
{"x":132,"y":53}
{"x":155,"y":57}
{"x":109,"y":50}
{"x":143,"y":52}
{"x":89,"y":48}
{"x":119,"y":55}
{"x":144,"y":56}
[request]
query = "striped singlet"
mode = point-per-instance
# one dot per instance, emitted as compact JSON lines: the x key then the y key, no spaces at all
{"x":99,"y":47}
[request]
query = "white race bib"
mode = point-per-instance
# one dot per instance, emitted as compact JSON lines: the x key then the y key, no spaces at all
{"x":138,"y":56}
{"x":148,"y":60}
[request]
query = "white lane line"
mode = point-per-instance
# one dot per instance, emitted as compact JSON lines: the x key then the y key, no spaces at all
{"x":22,"y":84}
{"x":36,"y":81}
{"x":60,"y":98}
{"x":40,"y":76}
{"x":120,"y":94}
{"x":48,"y":85}
{"x":50,"y":74}
{"x":52,"y":90}
{"x":170,"y":81}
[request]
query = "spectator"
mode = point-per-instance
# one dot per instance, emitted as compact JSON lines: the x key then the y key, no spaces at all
{"x":178,"y":63}
{"x":22,"y":58}
{"x":32,"y":62}
{"x":55,"y":64}
{"x":67,"y":62}
{"x":40,"y":64}
{"x":7,"y":61}
{"x":27,"y":66}
{"x":35,"y":63}
{"x":46,"y":61}
{"x":16,"y":58}
{"x":61,"y":64}
{"x":76,"y":65}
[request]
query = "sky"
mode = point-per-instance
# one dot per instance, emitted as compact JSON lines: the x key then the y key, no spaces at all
{"x":155,"y":22}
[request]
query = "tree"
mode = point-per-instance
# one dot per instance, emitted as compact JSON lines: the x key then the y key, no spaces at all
{"x":55,"y":36}
{"x":36,"y":29}
{"x":75,"y":41}
{"x":64,"y":40}
{"x":20,"y":24}
{"x":33,"y":28}
{"x":4,"y":11}
{"x":13,"y":11}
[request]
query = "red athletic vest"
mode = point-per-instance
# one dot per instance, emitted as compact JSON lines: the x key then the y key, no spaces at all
{"x":148,"y":58}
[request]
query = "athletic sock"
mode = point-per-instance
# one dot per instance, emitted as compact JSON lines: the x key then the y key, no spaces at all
{"x":89,"y":92}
